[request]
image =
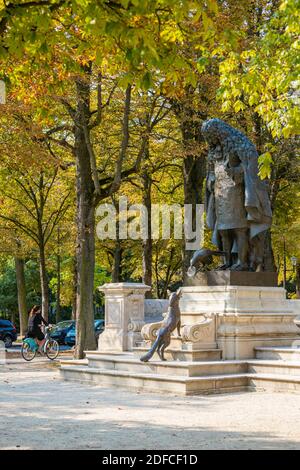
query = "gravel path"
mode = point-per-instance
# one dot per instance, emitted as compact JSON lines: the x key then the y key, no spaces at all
{"x":40,"y":411}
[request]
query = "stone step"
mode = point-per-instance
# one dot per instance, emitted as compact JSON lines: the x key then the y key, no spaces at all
{"x":132,"y":364}
{"x":157,"y":383}
{"x":185,"y":378}
{"x":277,"y":367}
{"x":74,"y":362}
{"x":278,"y":353}
{"x":177,"y":343}
{"x":183,"y":385}
{"x":109,"y":353}
{"x":177,"y":354}
{"x":274,"y":383}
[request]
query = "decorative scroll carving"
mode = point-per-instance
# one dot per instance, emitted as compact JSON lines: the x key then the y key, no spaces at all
{"x":198,"y":331}
{"x":135,"y":324}
{"x":149,"y":330}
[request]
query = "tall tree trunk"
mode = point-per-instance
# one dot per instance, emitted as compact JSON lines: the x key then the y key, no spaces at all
{"x":58,"y":309}
{"x":147,"y":244}
{"x":86,"y":264}
{"x":116,"y":274}
{"x":156,"y":274}
{"x":194,"y":162}
{"x":298,"y":280}
{"x":194,"y":172}
{"x":167,"y":276}
{"x":44,"y":283}
{"x":193,"y":177}
{"x":58,"y":268}
{"x":258,"y":132}
{"x":269,"y":261}
{"x":85,"y":336}
{"x":74,"y":288}
{"x":21,"y":287}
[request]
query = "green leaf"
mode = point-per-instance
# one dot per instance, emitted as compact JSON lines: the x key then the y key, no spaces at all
{"x":286,"y":132}
{"x":265,"y":161}
{"x":202,"y":63}
{"x":125,"y":3}
{"x":213,"y":6}
{"x":125,"y":80}
{"x":146,"y":81}
{"x":238,"y":106}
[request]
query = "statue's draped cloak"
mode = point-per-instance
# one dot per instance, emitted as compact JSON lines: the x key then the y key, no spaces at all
{"x":256,"y":200}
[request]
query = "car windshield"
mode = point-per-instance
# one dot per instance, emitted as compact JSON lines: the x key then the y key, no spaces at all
{"x":62,"y":325}
{"x":97,"y":325}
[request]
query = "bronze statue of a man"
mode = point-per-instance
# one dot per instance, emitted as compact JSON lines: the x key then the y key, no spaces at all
{"x":238,"y":207}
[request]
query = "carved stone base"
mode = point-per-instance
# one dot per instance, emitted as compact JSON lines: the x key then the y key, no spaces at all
{"x":238,"y":336}
{"x":233,"y":278}
{"x":124,"y":316}
{"x":235,"y":319}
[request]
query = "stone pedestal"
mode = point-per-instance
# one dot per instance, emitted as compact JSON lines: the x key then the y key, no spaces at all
{"x":233,"y":278}
{"x":240,"y":324}
{"x":237,"y":318}
{"x":124,"y":316}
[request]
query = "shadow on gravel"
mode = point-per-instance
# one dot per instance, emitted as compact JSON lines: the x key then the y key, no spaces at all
{"x":42,"y":412}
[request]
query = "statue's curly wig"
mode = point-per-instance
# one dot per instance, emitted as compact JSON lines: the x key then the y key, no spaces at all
{"x":230,"y":139}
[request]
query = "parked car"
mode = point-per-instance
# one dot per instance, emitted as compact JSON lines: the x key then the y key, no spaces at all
{"x":59,"y":331}
{"x":70,"y":338}
{"x":99,"y":327}
{"x":8,"y":332}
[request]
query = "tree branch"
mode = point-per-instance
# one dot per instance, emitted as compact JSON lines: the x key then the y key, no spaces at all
{"x":92,"y":158}
{"x":69,"y":108}
{"x":124,"y":144}
{"x":60,"y":213}
{"x":22,"y":227}
{"x":22,"y":204}
{"x":62,"y":143}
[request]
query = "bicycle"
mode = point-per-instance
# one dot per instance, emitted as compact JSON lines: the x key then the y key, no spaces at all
{"x":30,"y":347}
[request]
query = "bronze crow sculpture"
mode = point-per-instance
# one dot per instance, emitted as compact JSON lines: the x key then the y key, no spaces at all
{"x":201,"y":259}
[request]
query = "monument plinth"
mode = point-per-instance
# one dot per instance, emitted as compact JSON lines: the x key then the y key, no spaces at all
{"x":233,"y":278}
{"x":241,"y":318}
{"x":124,"y":315}
{"x":235,"y":319}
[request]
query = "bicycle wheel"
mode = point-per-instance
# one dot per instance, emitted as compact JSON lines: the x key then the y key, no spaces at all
{"x":51,"y":349}
{"x":27,"y":353}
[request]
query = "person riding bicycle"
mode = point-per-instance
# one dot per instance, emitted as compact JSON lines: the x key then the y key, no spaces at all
{"x":35,"y":321}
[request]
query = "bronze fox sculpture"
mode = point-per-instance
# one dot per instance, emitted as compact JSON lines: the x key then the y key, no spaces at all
{"x":171,"y":322}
